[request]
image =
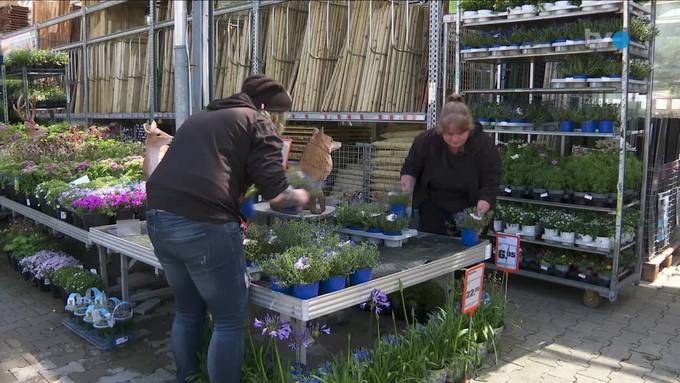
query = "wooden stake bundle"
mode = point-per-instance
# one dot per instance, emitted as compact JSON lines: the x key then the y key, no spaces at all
{"x":282,"y":48}
{"x":324,"y":38}
{"x":374,"y":65}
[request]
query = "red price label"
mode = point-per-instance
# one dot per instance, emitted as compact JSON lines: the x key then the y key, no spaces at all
{"x":507,"y":252}
{"x":473,"y":286}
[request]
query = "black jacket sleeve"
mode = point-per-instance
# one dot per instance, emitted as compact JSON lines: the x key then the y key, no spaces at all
{"x":415,"y":161}
{"x":265,"y":161}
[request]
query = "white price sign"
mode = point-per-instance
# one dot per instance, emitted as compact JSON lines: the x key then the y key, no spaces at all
{"x":507,"y":252}
{"x":473,"y":286}
{"x":80,"y":181}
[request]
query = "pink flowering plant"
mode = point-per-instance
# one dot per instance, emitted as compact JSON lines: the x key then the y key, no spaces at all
{"x":107,"y":200}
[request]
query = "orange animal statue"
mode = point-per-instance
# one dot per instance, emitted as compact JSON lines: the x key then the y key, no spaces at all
{"x":27,"y":114}
{"x":156,"y":145}
{"x":317,"y":163}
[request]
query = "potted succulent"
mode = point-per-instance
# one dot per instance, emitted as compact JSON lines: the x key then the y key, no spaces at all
{"x":365,"y":258}
{"x":472,"y":224}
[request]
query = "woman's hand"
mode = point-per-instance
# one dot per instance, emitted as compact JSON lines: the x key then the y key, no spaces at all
{"x":482,"y":207}
{"x":407,"y":183}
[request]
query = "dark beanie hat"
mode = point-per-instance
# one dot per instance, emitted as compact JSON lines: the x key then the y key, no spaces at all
{"x":267,"y":94}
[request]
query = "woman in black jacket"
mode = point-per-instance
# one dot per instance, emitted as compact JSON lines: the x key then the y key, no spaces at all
{"x":450,"y":168}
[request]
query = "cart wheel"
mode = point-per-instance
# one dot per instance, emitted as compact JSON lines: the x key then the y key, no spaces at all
{"x":592,"y":298}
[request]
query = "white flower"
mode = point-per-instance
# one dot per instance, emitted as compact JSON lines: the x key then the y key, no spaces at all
{"x":302,"y":263}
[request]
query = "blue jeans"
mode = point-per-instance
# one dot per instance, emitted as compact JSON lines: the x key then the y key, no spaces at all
{"x":205,"y":267}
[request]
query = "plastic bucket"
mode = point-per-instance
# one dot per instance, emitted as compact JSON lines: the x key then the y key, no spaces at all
{"x":398,"y":209}
{"x":279,"y":289}
{"x":334,"y":283}
{"x":307,"y":291}
{"x":470,"y":237}
{"x":606,"y":126}
{"x":360,"y":276}
{"x":588,"y":126}
{"x":566,"y":126}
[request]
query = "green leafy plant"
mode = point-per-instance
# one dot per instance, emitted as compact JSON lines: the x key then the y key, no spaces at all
{"x":470,"y":219}
{"x":348,"y":215}
{"x":76,"y":280}
{"x":475,"y":5}
{"x":364,"y":255}
{"x":372,"y":216}
{"x":640,"y":68}
{"x":394,"y":224}
{"x":641,"y":30}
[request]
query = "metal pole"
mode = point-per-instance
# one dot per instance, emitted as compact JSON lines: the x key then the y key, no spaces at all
{"x":255,"y":38}
{"x":151,"y":57}
{"x":4,"y":93}
{"x":647,"y":135}
{"x":614,"y":284}
{"x":181,"y":58}
{"x":199,"y":55}
{"x":445,"y":63}
{"x":459,"y":65}
{"x":433,"y":62}
{"x":86,"y":67}
{"x":211,"y":51}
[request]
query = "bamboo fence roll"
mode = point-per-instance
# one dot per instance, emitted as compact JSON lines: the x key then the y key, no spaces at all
{"x":232,"y":61}
{"x":285,"y":29}
{"x":165,"y":71}
{"x":343,"y":91}
{"x":324,"y":38}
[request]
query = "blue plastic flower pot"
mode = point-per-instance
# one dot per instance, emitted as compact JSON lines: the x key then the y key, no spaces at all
{"x":559,"y":41}
{"x":566,"y":126}
{"x":518,"y":121}
{"x":470,"y":237}
{"x":360,"y":276}
{"x":375,"y":230}
{"x":495,"y":46}
{"x":355,"y":227}
{"x":334,"y":283}
{"x":279,"y":289}
{"x":398,"y":209}
{"x":579,"y":77}
{"x":249,"y":263}
{"x":307,"y":291}
{"x":486,"y":120}
{"x":588,"y":126}
{"x":467,"y":47}
{"x":248,"y":208}
{"x":606,"y":126}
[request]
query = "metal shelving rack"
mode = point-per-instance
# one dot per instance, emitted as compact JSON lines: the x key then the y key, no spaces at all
{"x":27,"y":74}
{"x":626,"y":9}
{"x":429,"y":116}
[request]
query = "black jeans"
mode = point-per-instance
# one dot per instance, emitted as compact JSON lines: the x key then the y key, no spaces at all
{"x":205,"y":266}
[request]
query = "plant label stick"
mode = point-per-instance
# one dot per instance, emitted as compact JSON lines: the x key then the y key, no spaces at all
{"x":472,"y":288}
{"x":507,"y":252}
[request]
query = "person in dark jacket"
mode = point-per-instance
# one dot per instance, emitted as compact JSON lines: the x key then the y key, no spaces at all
{"x":450,"y":168}
{"x":194,"y":198}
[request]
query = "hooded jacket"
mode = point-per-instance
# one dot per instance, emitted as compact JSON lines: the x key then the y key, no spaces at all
{"x":453,"y":182}
{"x":215,"y":156}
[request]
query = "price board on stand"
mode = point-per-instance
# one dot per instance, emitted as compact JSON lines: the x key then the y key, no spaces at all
{"x":507,"y":252}
{"x":473,"y":286}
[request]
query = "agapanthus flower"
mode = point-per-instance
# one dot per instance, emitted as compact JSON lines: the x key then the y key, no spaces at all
{"x":360,"y":354}
{"x":273,"y":328}
{"x":486,"y":298}
{"x":379,"y":301}
{"x":390,"y":339}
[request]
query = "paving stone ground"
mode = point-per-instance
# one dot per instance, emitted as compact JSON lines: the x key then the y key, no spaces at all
{"x":550,"y":337}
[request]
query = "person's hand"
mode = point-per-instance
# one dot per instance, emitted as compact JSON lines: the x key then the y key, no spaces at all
{"x":290,"y":198}
{"x":482,"y":207}
{"x":407,"y":183}
{"x":302,"y":196}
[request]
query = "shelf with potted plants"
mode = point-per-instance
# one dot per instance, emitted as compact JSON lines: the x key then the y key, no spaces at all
{"x":479,"y":13}
{"x":554,"y":42}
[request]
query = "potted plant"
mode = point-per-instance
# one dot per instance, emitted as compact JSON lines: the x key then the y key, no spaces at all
{"x":607,"y":115}
{"x":472,"y":224}
{"x":604,"y":232}
{"x":603,"y":175}
{"x":564,"y":117}
{"x":511,"y":216}
{"x":372,"y":218}
{"x":587,"y":117}
{"x":604,"y":273}
{"x":529,"y":222}
{"x":641,"y":30}
{"x":340,"y":264}
{"x":347,"y":215}
{"x":578,"y":170}
{"x":92,"y":209}
{"x":555,"y":181}
{"x":545,"y":263}
{"x":586,"y":229}
{"x":562,"y":263}
{"x":393,"y":225}
{"x":566,"y":224}
{"x":548,"y":219}
{"x":398,"y":201}
{"x":308,"y":269}
{"x":498,"y":218}
{"x":365,"y":258}
{"x":639,"y":69}
{"x":248,"y":205}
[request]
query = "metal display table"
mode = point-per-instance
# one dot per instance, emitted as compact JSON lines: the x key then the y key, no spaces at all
{"x":263,"y":209}
{"x":46,"y":220}
{"x":421,"y":259}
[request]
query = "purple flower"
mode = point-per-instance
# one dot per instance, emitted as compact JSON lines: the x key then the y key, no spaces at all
{"x":390,"y":339}
{"x":379,"y":301}
{"x":302,"y":263}
{"x":273,"y":328}
{"x":360,"y":354}
{"x":486,"y":298}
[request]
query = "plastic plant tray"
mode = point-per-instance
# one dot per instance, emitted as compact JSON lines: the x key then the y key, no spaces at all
{"x":90,"y":335}
{"x":405,"y":235}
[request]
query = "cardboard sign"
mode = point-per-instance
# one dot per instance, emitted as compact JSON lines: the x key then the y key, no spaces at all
{"x":285,"y":151}
{"x":472,"y":288}
{"x":507,"y":252}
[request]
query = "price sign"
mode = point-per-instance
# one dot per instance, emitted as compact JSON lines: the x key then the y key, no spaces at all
{"x":121,"y":340}
{"x":80,"y":181}
{"x":507,"y":252}
{"x":472,"y":288}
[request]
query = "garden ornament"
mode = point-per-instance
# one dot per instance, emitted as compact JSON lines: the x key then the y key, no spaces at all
{"x":27,"y":114}
{"x":156,"y":145}
{"x":88,"y":314}
{"x":317,"y":163}
{"x":74,"y":300}
{"x":122,"y":311}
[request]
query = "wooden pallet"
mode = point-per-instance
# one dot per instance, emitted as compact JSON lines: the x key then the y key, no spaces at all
{"x":652,"y":268}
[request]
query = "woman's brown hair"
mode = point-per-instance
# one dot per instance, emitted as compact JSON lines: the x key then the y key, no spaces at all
{"x":455,"y":113}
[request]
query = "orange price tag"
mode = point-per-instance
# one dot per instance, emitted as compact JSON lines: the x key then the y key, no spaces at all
{"x":473,"y":285}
